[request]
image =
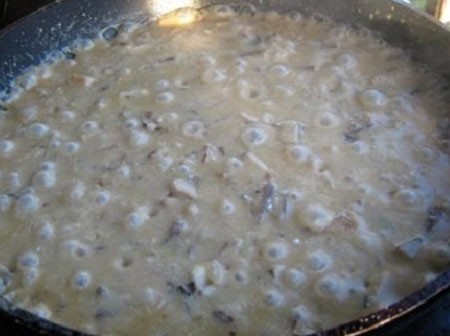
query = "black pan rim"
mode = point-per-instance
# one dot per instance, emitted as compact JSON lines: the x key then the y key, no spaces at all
{"x":368,"y":323}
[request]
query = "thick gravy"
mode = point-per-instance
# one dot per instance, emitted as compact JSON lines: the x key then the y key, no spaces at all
{"x":237,"y":175}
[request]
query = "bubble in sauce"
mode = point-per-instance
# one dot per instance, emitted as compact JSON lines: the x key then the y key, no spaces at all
{"x":228,"y":207}
{"x":274,"y":298}
{"x":408,"y":197}
{"x":28,"y":203}
{"x":89,"y":127}
{"x":54,"y":142}
{"x":214,"y":75}
{"x":241,"y":65}
{"x":124,"y":170}
{"x":42,"y":311}
{"x":83,"y":44}
{"x":317,"y":217}
{"x":139,"y":138}
{"x":327,"y":119}
{"x":132,"y":123}
{"x":318,"y":261}
{"x":6,"y":147}
{"x":295,"y":277}
{"x":224,"y":10}
{"x":206,"y":60}
{"x":14,"y":182}
{"x":254,"y":136}
{"x":165,"y":162}
{"x":78,"y":190}
{"x":29,"y":276}
{"x":102,"y":197}
{"x":136,"y":219}
{"x":280,"y":70}
{"x":44,"y":179}
{"x":299,"y":153}
{"x":5,"y":203}
{"x":277,"y":250}
{"x":360,"y":147}
{"x":122,"y":263}
{"x":330,"y":83}
{"x":102,"y":292}
{"x":247,"y":90}
{"x":48,"y":166}
{"x":28,"y":260}
{"x":193,"y":129}
{"x":81,"y":280}
{"x":75,"y":248}
{"x":37,"y":130}
{"x":162,"y":85}
{"x":348,"y":61}
{"x":285,"y":90}
{"x":153,"y":298}
{"x":46,"y":231}
{"x":29,"y":113}
{"x":241,"y":276}
{"x":71,"y":147}
{"x":235,"y":163}
{"x":301,"y":313}
{"x":67,"y":116}
{"x":373,"y":98}
{"x":165,"y":97}
{"x":109,"y":33}
{"x":294,"y":16}
{"x":330,"y":286}
{"x":184,"y":169}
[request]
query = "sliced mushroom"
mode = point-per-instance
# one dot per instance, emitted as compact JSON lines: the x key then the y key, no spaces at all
{"x":184,"y":187}
{"x":411,"y":248}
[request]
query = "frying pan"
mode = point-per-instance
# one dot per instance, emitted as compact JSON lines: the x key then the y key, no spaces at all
{"x":55,"y":27}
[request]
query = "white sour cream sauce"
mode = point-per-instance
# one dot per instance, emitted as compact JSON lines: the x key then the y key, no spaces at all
{"x":240,"y":175}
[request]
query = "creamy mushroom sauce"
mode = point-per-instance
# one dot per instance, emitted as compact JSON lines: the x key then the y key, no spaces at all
{"x":240,"y":175}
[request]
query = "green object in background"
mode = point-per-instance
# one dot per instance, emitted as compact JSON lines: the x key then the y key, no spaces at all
{"x":419,"y":3}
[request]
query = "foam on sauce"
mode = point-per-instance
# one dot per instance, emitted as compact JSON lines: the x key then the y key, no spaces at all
{"x":240,"y":175}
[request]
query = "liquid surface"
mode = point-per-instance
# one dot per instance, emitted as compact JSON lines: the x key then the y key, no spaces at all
{"x":238,"y":175}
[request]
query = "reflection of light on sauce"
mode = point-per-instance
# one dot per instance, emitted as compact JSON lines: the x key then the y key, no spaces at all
{"x":443,"y":11}
{"x":174,"y":12}
{"x":180,"y":17}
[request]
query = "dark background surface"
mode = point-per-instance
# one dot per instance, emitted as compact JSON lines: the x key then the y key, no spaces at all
{"x":11,"y":10}
{"x":434,"y":320}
